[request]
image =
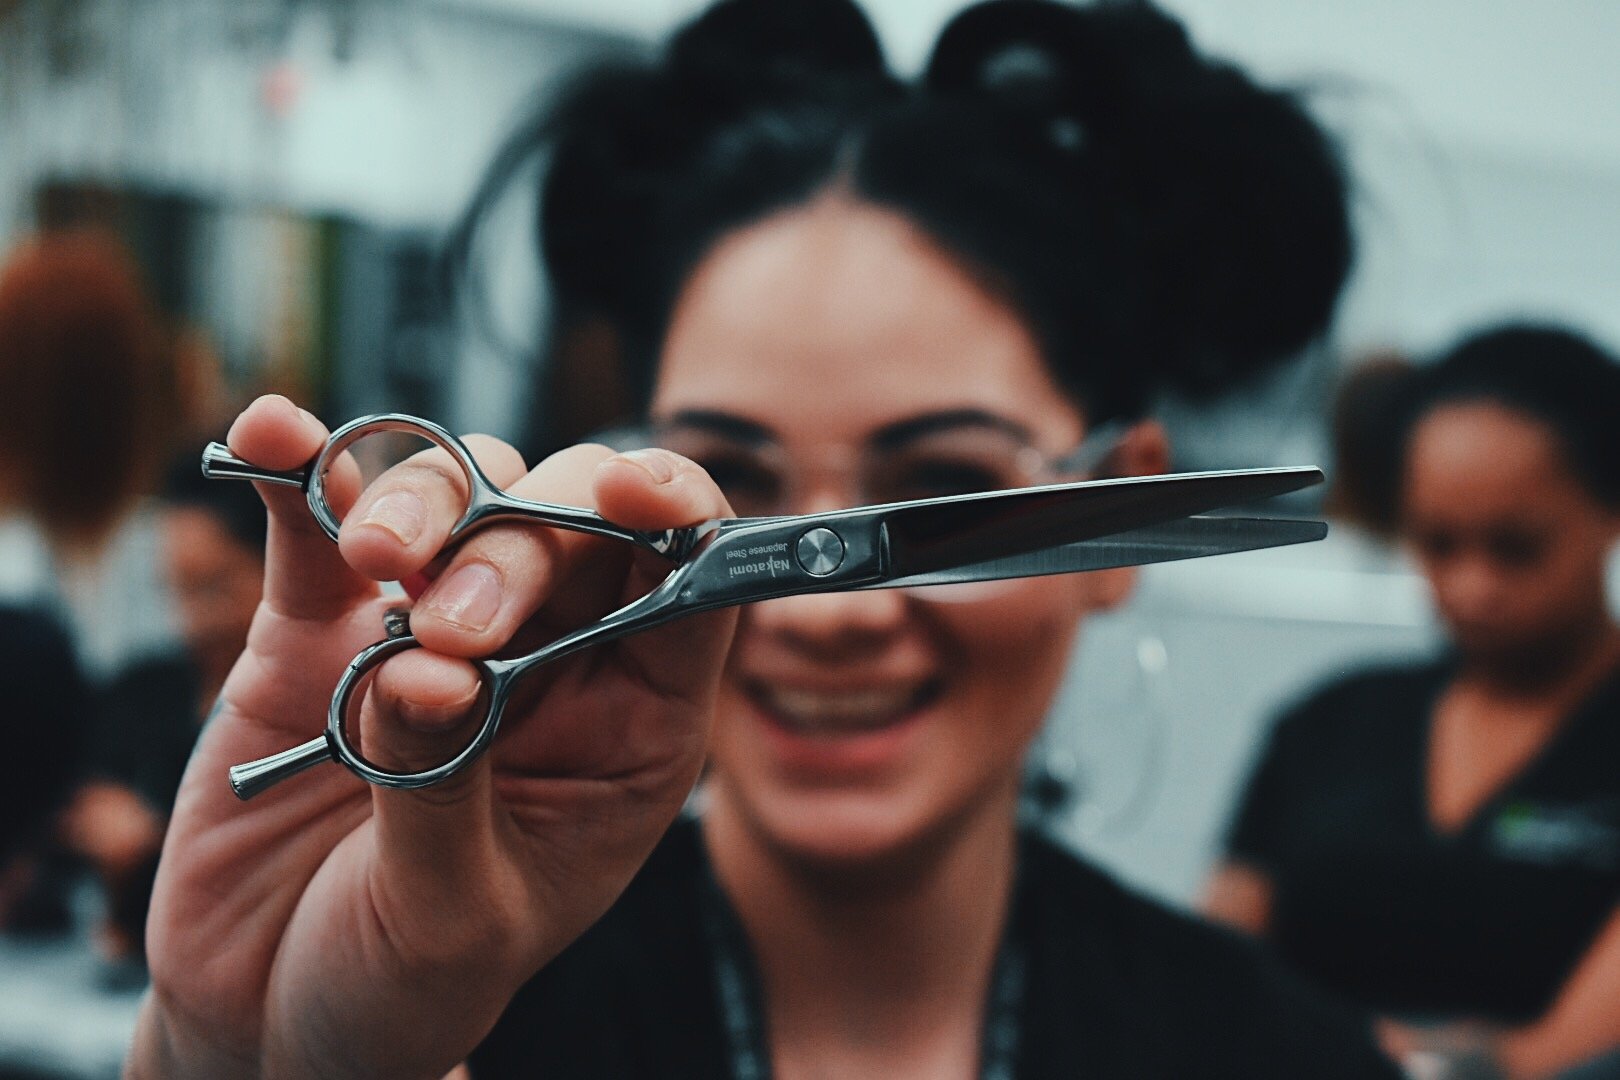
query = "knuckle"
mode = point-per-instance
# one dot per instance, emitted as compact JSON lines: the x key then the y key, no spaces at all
{"x":571,"y":464}
{"x":521,"y":556}
{"x":496,"y":456}
{"x":433,"y":478}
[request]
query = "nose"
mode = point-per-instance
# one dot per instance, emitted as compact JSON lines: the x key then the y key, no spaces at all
{"x":1469,"y":588}
{"x":830,"y":625}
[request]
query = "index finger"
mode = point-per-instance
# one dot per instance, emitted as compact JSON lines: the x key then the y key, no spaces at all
{"x":404,"y":518}
{"x":655,"y":489}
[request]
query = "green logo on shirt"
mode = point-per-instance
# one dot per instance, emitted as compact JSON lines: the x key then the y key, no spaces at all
{"x":1555,"y":834}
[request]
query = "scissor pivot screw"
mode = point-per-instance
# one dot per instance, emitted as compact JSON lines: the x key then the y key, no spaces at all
{"x":820,"y":552}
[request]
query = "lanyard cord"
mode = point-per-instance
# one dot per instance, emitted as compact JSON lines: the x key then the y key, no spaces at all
{"x":742,"y":1011}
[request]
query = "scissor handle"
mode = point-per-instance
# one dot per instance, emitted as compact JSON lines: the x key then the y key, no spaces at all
{"x":485,"y":501}
{"x":219,"y":463}
{"x":346,"y":436}
{"x":253,"y":777}
{"x":495,"y":676}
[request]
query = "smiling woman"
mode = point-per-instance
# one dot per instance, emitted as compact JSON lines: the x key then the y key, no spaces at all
{"x":827,"y":287}
{"x":853,"y":726}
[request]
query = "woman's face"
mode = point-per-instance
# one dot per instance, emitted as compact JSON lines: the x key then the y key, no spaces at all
{"x":853,"y":725}
{"x":1514,"y":548}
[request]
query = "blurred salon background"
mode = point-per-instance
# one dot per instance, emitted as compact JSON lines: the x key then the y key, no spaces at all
{"x":201,"y":200}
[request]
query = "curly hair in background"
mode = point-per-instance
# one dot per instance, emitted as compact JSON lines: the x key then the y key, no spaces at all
{"x":84,"y":384}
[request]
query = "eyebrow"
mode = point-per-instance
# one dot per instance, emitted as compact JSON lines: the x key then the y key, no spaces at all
{"x":727,"y":424}
{"x":886,"y":437}
{"x":903,"y":431}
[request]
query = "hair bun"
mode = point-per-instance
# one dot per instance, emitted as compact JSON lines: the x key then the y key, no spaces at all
{"x":1239,"y":200}
{"x":785,"y":37}
{"x":615,"y":136}
{"x":623,"y":137}
{"x":1046,"y":58}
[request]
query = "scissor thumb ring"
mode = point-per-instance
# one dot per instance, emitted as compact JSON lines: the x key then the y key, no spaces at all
{"x":249,"y":779}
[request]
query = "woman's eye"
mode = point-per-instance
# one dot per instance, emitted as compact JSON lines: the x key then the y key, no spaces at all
{"x":1517,"y":549}
{"x":747,"y":485}
{"x":1434,"y":546}
{"x":935,"y":479}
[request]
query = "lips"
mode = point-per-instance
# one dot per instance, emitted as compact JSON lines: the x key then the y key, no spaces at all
{"x":833,"y":712}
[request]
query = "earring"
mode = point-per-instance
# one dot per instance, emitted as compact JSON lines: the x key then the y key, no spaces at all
{"x":1103,"y":768}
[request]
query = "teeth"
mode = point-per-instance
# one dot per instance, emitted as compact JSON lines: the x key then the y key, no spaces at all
{"x":846,"y":711}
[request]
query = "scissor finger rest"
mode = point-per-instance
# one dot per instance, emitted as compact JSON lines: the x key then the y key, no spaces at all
{"x":219,"y":463}
{"x":485,"y":501}
{"x":250,"y":779}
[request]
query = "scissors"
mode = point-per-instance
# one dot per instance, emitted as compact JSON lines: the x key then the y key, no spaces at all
{"x":983,"y":536}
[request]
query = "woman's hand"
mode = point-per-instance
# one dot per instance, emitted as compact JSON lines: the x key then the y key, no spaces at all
{"x":333,"y":929}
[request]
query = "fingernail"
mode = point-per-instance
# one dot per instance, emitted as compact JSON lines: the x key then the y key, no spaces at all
{"x":437,"y":717}
{"x":656,"y":463}
{"x":402,"y":513}
{"x":468,"y":597}
{"x":282,"y":404}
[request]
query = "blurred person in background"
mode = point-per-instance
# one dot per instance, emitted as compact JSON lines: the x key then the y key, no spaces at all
{"x":86,"y":387}
{"x":1442,"y":841}
{"x":82,"y":376}
{"x":148,"y":716}
{"x":829,"y":288}
{"x":45,"y":710}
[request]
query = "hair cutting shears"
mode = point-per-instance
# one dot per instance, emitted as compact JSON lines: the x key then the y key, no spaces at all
{"x":983,"y":536}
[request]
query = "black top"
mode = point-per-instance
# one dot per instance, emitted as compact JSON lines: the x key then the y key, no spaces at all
{"x":44,"y":709}
{"x":143,"y":734}
{"x":146,"y":726}
{"x":1114,"y":986}
{"x":1371,"y":901}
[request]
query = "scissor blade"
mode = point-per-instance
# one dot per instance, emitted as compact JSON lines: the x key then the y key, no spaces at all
{"x":946,"y":534}
{"x":1188,"y":538}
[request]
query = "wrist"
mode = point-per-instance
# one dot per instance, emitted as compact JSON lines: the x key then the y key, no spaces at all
{"x":165,"y":1048}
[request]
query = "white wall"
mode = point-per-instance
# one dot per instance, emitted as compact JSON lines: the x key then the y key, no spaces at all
{"x":202,"y":96}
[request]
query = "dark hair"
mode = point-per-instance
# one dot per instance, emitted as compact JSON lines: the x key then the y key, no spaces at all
{"x":237,"y":507}
{"x":1156,"y":217}
{"x":1368,"y":428}
{"x":1550,"y":374}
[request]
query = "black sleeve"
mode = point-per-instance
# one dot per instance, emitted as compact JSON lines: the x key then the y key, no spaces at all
{"x":1304,"y":1033}
{"x":1252,"y":836}
{"x":1358,"y":731}
{"x":1120,"y":986}
{"x":1232,"y":1008}
{"x":144,"y":727}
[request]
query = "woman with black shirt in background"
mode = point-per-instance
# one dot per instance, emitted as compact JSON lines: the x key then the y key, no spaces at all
{"x":1442,"y":841}
{"x":830,"y":288}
